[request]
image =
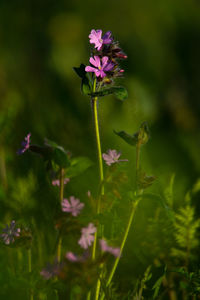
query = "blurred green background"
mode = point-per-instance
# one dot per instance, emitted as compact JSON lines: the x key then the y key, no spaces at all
{"x":41,"y":41}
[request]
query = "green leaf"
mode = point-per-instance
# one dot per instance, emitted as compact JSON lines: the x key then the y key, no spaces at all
{"x":86,"y":83}
{"x":144,"y":181}
{"x":59,"y":155}
{"x":129,"y":139}
{"x":80,"y":71}
{"x":78,"y":165}
{"x":119,"y":92}
{"x":141,"y":136}
{"x":86,"y":87}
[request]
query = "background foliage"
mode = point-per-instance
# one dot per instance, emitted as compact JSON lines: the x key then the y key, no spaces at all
{"x":39,"y":93}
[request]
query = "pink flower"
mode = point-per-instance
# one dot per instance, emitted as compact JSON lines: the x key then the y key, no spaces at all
{"x":101,"y":66}
{"x":25,"y":144}
{"x":97,"y":39}
{"x":51,"y":270}
{"x":106,"y":248}
{"x":10,"y":232}
{"x":71,"y":256}
{"x":57,"y":181}
{"x":112,"y":157}
{"x":73,"y":206}
{"x":87,"y":236}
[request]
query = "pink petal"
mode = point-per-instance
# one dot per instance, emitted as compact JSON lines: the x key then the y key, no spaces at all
{"x":93,"y":61}
{"x":104,"y":61}
{"x":109,"y":67}
{"x":102,"y":74}
{"x":97,"y":60}
{"x":107,"y":39}
{"x":90,"y":69}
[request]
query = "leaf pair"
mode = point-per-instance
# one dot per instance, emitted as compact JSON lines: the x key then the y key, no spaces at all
{"x":87,"y":86}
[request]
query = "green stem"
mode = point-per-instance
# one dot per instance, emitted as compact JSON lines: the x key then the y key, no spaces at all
{"x":61,"y":192}
{"x":138,"y":192}
{"x":122,"y":245}
{"x":101,"y":178}
{"x":99,"y":153}
{"x":30,"y":270}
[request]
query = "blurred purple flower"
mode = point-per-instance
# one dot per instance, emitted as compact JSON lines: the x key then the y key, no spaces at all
{"x":106,"y":248}
{"x":87,"y":236}
{"x":75,"y":258}
{"x":97,"y":39}
{"x":25,"y":144}
{"x":71,"y":256}
{"x":57,"y":181}
{"x":9,"y":233}
{"x":101,"y":66}
{"x":112,"y":157}
{"x":51,"y":270}
{"x":73,"y":206}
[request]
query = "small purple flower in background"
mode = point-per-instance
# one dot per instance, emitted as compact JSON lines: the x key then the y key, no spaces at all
{"x":101,"y":66}
{"x":75,"y":258}
{"x":106,"y":248}
{"x":87,"y":236}
{"x":25,"y":144}
{"x":71,"y":256}
{"x":73,"y":206}
{"x":10,"y":232}
{"x":97,"y":39}
{"x":51,"y":270}
{"x":57,"y":181}
{"x":112,"y":157}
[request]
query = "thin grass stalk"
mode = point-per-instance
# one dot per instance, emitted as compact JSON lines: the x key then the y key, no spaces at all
{"x":61,"y":192}
{"x":134,"y":206}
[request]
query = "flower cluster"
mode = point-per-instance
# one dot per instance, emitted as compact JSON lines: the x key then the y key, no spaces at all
{"x":104,"y":56}
{"x":10,"y":233}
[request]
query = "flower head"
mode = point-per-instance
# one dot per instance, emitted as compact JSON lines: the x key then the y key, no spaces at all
{"x":105,"y":248}
{"x":112,"y":157}
{"x":25,"y":144}
{"x":10,"y":232}
{"x":50,"y":271}
{"x":97,"y":39}
{"x":73,"y":206}
{"x":57,"y":181}
{"x":87,"y":236}
{"x":101,"y":66}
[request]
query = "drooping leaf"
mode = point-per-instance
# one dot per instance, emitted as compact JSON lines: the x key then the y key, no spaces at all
{"x":141,"y":136}
{"x":78,"y":165}
{"x":130,"y":139}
